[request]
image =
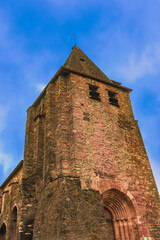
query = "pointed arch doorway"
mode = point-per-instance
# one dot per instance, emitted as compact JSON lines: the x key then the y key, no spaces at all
{"x":120,"y":215}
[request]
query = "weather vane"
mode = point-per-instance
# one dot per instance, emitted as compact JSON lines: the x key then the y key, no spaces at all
{"x":75,"y":39}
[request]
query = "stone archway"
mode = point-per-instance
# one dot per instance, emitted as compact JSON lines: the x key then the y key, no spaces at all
{"x":3,"y":232}
{"x":124,"y":216}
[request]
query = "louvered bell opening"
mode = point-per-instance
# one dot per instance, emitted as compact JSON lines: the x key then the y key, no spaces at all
{"x":114,"y":101}
{"x":94,"y":95}
{"x":111,"y":94}
{"x":93,"y":88}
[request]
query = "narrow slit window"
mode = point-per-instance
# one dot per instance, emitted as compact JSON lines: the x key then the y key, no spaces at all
{"x":93,"y":92}
{"x":113,"y":98}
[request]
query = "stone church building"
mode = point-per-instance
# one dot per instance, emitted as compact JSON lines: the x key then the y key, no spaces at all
{"x":85,"y":173}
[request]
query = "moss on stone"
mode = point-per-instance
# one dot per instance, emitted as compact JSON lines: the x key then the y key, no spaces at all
{"x":70,"y":213}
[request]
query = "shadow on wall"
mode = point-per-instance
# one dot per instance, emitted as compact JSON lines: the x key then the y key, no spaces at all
{"x":14,"y":223}
{"x":3,"y":232}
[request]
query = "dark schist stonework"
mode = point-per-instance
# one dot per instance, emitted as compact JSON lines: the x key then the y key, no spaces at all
{"x":85,"y":173}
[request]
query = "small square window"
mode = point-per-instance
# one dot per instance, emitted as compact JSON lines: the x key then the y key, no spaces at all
{"x":82,"y":60}
{"x":113,"y":98}
{"x":93,"y":92}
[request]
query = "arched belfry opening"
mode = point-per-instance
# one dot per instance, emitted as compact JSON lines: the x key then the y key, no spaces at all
{"x":121,"y":213}
{"x":3,"y":232}
{"x":14,"y":223}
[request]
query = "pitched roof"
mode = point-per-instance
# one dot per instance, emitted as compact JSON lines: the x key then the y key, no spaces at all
{"x":79,"y":62}
{"x":13,"y":173}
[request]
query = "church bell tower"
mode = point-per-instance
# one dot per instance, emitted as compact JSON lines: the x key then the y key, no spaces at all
{"x":85,"y":156}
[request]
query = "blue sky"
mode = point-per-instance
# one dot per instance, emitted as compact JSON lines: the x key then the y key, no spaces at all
{"x":121,"y":37}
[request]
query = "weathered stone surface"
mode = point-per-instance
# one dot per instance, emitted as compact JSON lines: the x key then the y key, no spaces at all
{"x":85,"y":173}
{"x":68,"y":212}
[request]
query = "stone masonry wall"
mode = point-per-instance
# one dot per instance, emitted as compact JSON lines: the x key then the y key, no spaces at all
{"x":49,"y":135}
{"x":11,"y":197}
{"x":98,"y":142}
{"x":109,"y":150}
{"x":72,"y":139}
{"x":65,"y":211}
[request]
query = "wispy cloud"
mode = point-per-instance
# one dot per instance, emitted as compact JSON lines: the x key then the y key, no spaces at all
{"x":40,"y":87}
{"x":6,"y":161}
{"x":140,"y":65}
{"x":15,"y":52}
{"x":149,"y":126}
{"x":155,"y":168}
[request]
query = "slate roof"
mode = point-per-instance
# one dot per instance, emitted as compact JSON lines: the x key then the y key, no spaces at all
{"x":79,"y":62}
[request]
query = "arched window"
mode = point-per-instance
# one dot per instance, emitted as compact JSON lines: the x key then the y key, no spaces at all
{"x":14,"y":223}
{"x":121,"y":215}
{"x":3,"y":232}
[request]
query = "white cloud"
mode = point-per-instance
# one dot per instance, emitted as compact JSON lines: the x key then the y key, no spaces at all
{"x":138,"y":6}
{"x":140,"y":65}
{"x":14,"y":52}
{"x":6,"y":160}
{"x":155,"y":168}
{"x":40,"y":87}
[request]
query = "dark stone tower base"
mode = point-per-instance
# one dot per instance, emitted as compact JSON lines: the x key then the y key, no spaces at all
{"x":65,"y":211}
